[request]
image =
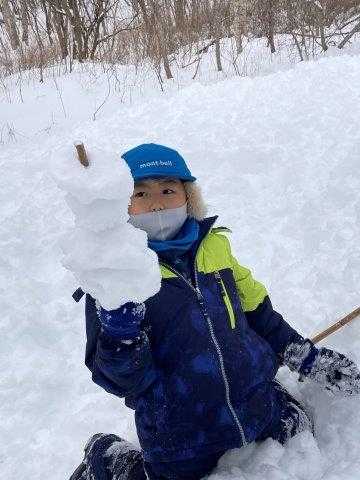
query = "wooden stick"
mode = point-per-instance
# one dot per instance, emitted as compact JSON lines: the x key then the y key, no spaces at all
{"x":82,"y":155}
{"x":336,"y":326}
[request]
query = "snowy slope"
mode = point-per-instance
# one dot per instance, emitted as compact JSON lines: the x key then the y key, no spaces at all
{"x":96,"y":91}
{"x":278,"y":158}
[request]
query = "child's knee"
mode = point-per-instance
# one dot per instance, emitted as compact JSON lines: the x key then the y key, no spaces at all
{"x":289,"y":418}
{"x":294,"y":420}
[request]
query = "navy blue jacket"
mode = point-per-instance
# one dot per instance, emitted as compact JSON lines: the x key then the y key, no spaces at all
{"x":197,"y":386}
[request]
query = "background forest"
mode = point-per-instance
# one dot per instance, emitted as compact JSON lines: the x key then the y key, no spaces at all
{"x":38,"y":33}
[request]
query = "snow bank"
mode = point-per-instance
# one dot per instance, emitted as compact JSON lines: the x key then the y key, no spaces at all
{"x":272,"y":461}
{"x":95,"y":92}
{"x":107,"y":255}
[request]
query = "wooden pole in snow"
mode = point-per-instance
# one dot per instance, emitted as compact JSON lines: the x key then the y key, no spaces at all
{"x":336,"y":326}
{"x":82,"y":155}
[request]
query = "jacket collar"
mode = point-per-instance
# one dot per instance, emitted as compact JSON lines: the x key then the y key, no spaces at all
{"x":205,"y":226}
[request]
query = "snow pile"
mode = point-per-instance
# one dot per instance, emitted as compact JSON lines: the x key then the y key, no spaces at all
{"x":272,"y":461}
{"x":107,"y":255}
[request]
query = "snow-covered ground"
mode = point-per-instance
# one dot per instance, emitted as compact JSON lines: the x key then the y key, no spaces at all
{"x":278,"y":157}
{"x":94,"y":92}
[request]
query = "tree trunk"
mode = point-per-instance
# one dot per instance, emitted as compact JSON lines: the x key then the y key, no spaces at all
{"x":10,"y":24}
{"x":167,"y":67}
{"x":24,"y":22}
{"x":349,"y":35}
{"x":158,"y":32}
{"x":179,"y":15}
{"x":239,"y":25}
{"x":70,"y":7}
{"x":62,"y":34}
{"x":239,"y":43}
{"x":298,"y":46}
{"x":270,"y":34}
{"x":218,"y":55}
{"x":48,"y":24}
{"x":322,"y":38}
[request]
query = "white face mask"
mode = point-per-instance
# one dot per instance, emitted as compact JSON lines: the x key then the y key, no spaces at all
{"x":162,"y":224}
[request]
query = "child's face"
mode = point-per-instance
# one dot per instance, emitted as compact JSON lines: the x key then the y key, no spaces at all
{"x":156,"y":194}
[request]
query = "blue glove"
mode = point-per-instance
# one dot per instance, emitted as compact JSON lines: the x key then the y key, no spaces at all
{"x":124,"y":322}
{"x":331,"y":369}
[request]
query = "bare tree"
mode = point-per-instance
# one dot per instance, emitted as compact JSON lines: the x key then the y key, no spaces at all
{"x":133,"y":31}
{"x":10,"y":23}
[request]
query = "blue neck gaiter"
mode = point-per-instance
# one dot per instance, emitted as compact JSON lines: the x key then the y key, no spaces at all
{"x":182,"y":242}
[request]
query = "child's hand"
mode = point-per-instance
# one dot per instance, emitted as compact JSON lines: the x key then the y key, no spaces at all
{"x":124,"y":322}
{"x":331,"y":369}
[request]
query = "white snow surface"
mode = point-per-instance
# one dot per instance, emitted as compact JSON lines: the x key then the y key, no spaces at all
{"x":106,"y":254}
{"x":278,"y":157}
{"x":97,"y":91}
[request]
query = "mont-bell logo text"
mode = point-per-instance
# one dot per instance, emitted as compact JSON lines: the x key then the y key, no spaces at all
{"x":156,"y":163}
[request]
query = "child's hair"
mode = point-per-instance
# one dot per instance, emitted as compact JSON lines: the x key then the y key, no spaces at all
{"x":196,"y":206}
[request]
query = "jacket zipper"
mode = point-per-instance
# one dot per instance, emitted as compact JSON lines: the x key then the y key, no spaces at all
{"x":227,"y":300}
{"x":200,"y":298}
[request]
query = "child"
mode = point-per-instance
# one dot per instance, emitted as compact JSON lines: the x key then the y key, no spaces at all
{"x":197,"y":361}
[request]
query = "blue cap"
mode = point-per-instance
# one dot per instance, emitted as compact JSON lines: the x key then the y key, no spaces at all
{"x":150,"y":160}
